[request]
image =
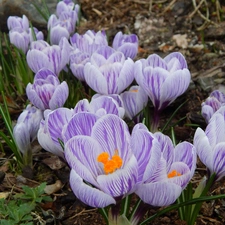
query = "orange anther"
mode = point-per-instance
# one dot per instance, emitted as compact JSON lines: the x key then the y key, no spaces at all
{"x":173,"y":173}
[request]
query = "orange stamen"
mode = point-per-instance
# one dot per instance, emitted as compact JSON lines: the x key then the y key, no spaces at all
{"x":134,"y":90}
{"x":103,"y":157}
{"x":110,"y":165}
{"x":173,"y":173}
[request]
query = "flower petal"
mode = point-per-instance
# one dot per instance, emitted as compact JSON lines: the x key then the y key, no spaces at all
{"x":80,"y":124}
{"x":159,"y":194}
{"x":87,"y":194}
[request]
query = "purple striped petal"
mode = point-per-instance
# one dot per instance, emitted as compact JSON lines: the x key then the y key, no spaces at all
{"x":185,"y":174}
{"x":82,"y":106}
{"x":219,"y":160}
{"x":175,"y":85}
{"x":159,"y":194}
{"x":166,"y":147}
{"x":59,"y":96}
{"x":126,"y":75}
{"x":95,"y":79}
{"x":203,"y":148}
{"x":37,"y":60}
{"x":80,"y":124}
{"x":87,"y":194}
{"x":152,"y":83}
{"x":155,"y":61}
{"x":146,"y":149}
{"x":185,"y":152}
{"x":215,"y":131}
{"x":34,"y":98}
{"x":81,"y":153}
{"x":175,"y":61}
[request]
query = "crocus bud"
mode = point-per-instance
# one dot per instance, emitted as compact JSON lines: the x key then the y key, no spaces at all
{"x":47,"y":92}
{"x":43,"y":56}
{"x":15,"y":21}
{"x":26,"y":128}
{"x":134,"y":101}
{"x":20,"y":38}
{"x":89,"y":42}
{"x":215,"y":101}
{"x":108,"y":71}
{"x":126,"y":43}
{"x":77,"y":63}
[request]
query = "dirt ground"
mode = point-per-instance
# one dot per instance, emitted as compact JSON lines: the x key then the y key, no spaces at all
{"x":162,"y":27}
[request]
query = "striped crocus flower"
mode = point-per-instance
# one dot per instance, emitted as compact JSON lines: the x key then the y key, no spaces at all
{"x":215,"y":101}
{"x":126,"y":43}
{"x":134,"y":100}
{"x":89,"y":42}
{"x":163,"y":79}
{"x":164,"y":170}
{"x":43,"y":56}
{"x":108,"y":71}
{"x":210,"y":145}
{"x":103,"y":166}
{"x":47,"y":92}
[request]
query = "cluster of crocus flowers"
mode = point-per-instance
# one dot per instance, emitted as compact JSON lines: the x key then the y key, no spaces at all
{"x":64,"y":23}
{"x":107,"y":161}
{"x":20,"y":34}
{"x":215,"y":101}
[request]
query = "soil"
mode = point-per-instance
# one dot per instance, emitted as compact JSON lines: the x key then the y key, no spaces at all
{"x":162,"y":27}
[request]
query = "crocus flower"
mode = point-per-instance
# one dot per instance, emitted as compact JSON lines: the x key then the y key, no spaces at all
{"x":43,"y":56}
{"x":126,"y":43}
{"x":47,"y":92}
{"x":163,"y":79}
{"x":66,"y":6}
{"x":26,"y":128}
{"x":77,"y":63}
{"x":215,"y":100}
{"x":103,"y":167}
{"x":50,"y":132}
{"x":18,"y":22}
{"x":20,"y":38}
{"x":108,"y":72}
{"x":63,"y":26}
{"x":100,"y":106}
{"x":164,"y":170}
{"x":20,"y":34}
{"x":210,"y":145}
{"x":89,"y":42}
{"x":134,"y":101}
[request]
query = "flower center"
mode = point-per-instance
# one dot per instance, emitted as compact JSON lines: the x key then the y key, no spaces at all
{"x":173,"y":173}
{"x":110,"y":165}
{"x":134,"y":90}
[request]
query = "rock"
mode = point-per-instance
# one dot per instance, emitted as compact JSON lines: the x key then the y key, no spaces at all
{"x":25,"y":7}
{"x":210,"y":79}
{"x":215,"y":32}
